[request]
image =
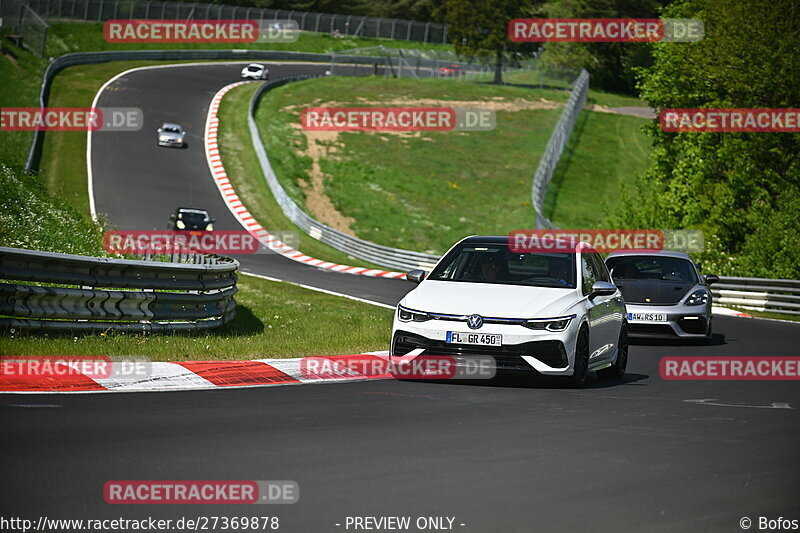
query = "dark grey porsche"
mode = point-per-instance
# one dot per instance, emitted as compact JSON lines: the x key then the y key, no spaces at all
{"x":665,"y":294}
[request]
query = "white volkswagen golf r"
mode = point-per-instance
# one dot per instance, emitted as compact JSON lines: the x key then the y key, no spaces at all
{"x":553,"y":313}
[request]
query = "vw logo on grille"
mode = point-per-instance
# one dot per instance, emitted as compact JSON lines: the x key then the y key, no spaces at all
{"x":474,"y":321}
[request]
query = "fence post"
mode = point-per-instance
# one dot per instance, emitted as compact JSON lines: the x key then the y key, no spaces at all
{"x":394,"y":25}
{"x":427,"y":29}
{"x":100,"y":11}
{"x":316,"y":25}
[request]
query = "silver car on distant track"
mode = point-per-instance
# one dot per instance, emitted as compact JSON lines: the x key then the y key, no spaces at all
{"x":170,"y":134}
{"x":665,"y":294}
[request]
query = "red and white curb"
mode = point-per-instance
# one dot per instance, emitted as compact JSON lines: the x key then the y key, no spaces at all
{"x":724,"y":311}
{"x":244,"y":217}
{"x":201,"y":375}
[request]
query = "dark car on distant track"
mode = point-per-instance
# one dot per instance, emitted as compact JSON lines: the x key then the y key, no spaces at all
{"x":191,"y":219}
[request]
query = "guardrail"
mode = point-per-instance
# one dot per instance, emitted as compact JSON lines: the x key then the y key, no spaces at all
{"x":160,"y":296}
{"x":759,"y":294}
{"x":555,"y":147}
{"x":353,"y":246}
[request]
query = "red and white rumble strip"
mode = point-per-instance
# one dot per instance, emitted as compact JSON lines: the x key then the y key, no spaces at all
{"x":243,"y":215}
{"x":200,"y":375}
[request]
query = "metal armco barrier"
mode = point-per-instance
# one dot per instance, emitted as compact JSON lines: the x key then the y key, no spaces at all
{"x":759,"y":294}
{"x":555,"y":147}
{"x":190,"y":297}
{"x":353,"y":246}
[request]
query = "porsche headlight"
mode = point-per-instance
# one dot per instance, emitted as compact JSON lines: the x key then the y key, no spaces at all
{"x":550,"y":324}
{"x":210,"y":227}
{"x":180,"y":139}
{"x":409,"y":315}
{"x":163,"y":139}
{"x":180,"y":224}
{"x":698,"y":297}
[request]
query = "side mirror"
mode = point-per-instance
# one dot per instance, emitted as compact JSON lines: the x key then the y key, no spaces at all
{"x":213,"y":220}
{"x":416,"y":276}
{"x":602,"y":288}
{"x":159,"y":130}
{"x":172,"y":216}
{"x":711,"y":278}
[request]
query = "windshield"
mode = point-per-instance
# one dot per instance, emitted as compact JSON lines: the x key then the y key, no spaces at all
{"x":496,"y":264}
{"x":253,"y":68}
{"x":649,"y":267}
{"x":193,"y":218}
{"x":171,"y":129}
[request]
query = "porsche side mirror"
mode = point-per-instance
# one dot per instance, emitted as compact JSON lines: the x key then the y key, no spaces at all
{"x":711,"y":278}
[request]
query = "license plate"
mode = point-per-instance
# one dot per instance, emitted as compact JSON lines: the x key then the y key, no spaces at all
{"x":481,"y":339}
{"x":647,"y":317}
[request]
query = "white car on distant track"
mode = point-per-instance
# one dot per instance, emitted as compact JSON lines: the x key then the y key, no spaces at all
{"x":255,"y":71}
{"x":552,"y":313}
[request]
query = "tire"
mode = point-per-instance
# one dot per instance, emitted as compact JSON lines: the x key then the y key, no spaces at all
{"x":617,"y":370}
{"x":581,"y":371}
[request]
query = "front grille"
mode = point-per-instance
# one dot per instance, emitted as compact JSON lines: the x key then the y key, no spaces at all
{"x":551,"y":353}
{"x":695,"y":326}
{"x":650,"y":329}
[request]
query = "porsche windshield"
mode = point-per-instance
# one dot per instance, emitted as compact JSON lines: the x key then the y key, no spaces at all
{"x":496,"y":264}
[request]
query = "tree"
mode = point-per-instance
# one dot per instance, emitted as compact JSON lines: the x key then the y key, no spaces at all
{"x":480,"y":27}
{"x":742,"y":189}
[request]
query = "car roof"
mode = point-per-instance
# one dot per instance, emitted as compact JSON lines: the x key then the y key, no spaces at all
{"x":192,"y":210}
{"x":659,"y":253}
{"x":170,"y":125}
{"x":255,"y":65}
{"x":498,"y":239}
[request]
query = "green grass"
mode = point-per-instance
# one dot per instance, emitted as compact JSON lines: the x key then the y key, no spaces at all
{"x":20,"y":77}
{"x":64,"y":38}
{"x":244,"y":172}
{"x":604,"y":152}
{"x":33,"y":219}
{"x":420,"y":193}
{"x":273,"y":320}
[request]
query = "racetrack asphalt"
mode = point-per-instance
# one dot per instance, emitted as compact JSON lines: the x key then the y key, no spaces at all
{"x":512,"y":454}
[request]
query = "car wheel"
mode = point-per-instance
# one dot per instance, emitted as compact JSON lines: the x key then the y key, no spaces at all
{"x":581,"y":370}
{"x":710,"y":334}
{"x":617,"y":370}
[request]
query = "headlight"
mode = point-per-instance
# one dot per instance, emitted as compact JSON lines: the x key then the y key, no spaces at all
{"x":550,"y":324}
{"x":210,"y":227}
{"x":699,"y":297}
{"x":408,"y":315}
{"x":180,"y":139}
{"x":180,"y":224}
{"x":163,"y":139}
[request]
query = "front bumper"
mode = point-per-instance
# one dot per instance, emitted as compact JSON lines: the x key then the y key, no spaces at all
{"x":537,"y":351}
{"x":683,"y":321}
{"x":172,"y":144}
